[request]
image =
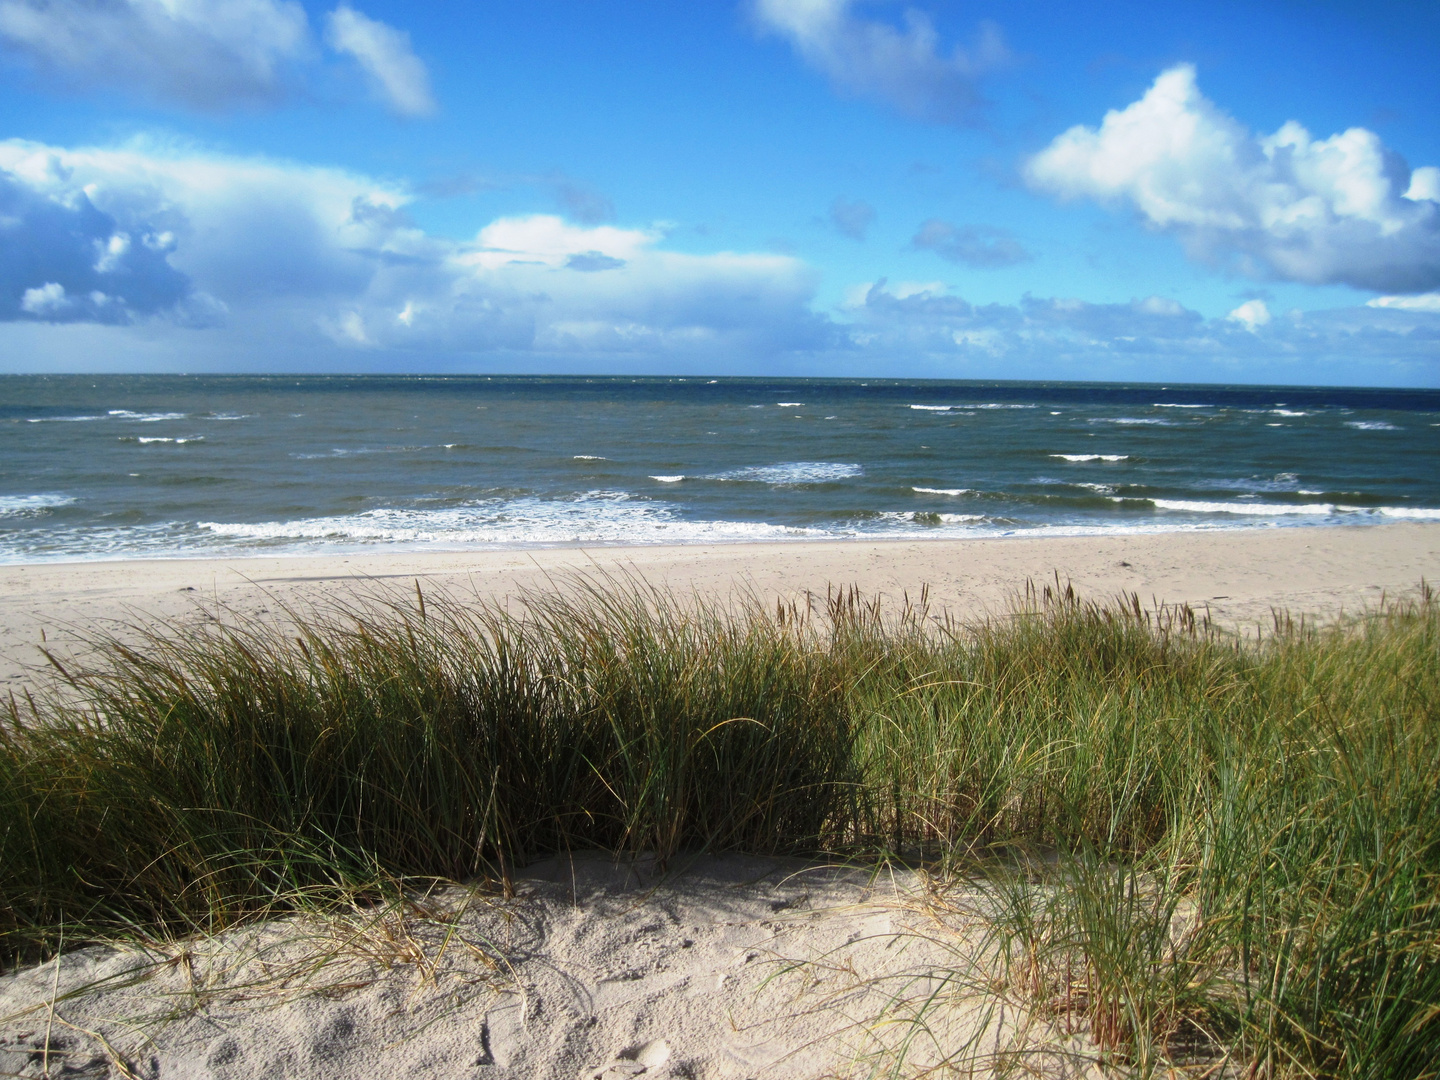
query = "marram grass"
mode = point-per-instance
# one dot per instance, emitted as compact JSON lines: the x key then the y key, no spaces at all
{"x":1196,"y":847}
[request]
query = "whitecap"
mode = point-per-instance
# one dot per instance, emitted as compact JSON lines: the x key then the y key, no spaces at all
{"x":793,"y":472}
{"x":669,"y":479}
{"x":589,"y":457}
{"x":941,"y":491}
{"x":1197,"y":506}
{"x":14,"y":505}
{"x":60,"y":419}
{"x":145,"y":418}
{"x":1370,"y":425}
{"x":1092,"y":457}
{"x":789,"y":404}
{"x":1171,"y":405}
{"x":933,"y":408}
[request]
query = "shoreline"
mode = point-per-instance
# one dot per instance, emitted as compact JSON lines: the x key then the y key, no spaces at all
{"x":1238,"y":574}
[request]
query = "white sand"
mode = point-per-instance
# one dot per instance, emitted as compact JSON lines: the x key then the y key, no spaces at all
{"x":1239,"y":575}
{"x":729,"y":968}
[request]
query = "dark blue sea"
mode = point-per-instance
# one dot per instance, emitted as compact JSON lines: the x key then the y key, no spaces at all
{"x":101,"y":467}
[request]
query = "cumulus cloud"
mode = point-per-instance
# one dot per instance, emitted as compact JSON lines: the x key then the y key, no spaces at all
{"x":983,"y":247}
{"x":903,"y":67}
{"x":1252,"y":314}
{"x":300,"y":255}
{"x":64,"y":260}
{"x":851,"y":219}
{"x":385,"y":55}
{"x":206,"y":54}
{"x":1343,"y":210}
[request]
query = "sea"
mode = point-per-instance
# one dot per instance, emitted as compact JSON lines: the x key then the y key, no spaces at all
{"x":125,"y":467}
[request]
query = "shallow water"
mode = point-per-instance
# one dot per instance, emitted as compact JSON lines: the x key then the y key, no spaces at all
{"x":120,"y":467}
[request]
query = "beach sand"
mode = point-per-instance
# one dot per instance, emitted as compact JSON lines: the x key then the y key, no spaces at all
{"x":730,"y":967}
{"x":1238,"y":575}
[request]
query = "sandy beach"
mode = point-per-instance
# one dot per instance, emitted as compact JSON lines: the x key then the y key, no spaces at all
{"x":728,"y":966}
{"x":1238,"y":575}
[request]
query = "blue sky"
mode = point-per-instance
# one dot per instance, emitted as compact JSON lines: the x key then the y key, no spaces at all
{"x":1206,"y":192}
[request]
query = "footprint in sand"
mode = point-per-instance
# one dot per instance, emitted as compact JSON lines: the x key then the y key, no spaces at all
{"x":635,"y":1060}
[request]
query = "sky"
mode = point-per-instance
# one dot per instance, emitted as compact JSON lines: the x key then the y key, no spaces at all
{"x":1193,"y":191}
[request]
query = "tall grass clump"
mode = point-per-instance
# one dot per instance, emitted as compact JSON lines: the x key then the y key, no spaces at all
{"x":1190,"y":847}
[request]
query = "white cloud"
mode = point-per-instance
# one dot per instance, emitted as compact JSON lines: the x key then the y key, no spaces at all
{"x":385,"y":55}
{"x":1342,"y":210}
{"x":203,"y":54}
{"x":301,"y":255}
{"x":1423,"y":302}
{"x":1252,"y":314}
{"x":902,"y":67}
{"x":206,"y":54}
{"x":1147,"y":338}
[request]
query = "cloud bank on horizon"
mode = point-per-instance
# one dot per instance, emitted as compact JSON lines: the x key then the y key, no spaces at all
{"x":177,"y":254}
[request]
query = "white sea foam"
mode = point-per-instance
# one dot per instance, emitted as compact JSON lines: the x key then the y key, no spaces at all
{"x":941,"y":491}
{"x":1197,"y":506}
{"x":997,"y":405}
{"x":1370,"y":425}
{"x":589,"y":457}
{"x":598,"y":517}
{"x":1288,"y":412}
{"x":1172,"y":405}
{"x":145,"y":418}
{"x":1413,"y":513}
{"x":789,"y":404}
{"x":793,"y":472}
{"x":933,"y":408}
{"x":1132,"y":421}
{"x":1103,"y":489}
{"x":144,"y":439}
{"x":15,"y":505}
{"x":60,"y":419}
{"x":1092,"y":457}
{"x":669,"y":479}
{"x":225,"y":416}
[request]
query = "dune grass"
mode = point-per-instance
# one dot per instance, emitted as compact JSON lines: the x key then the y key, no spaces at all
{"x":1193,"y":845}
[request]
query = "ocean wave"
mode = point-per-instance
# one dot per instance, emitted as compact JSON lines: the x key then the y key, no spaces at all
{"x":792,"y":472}
{"x":941,"y":491}
{"x":588,"y":457}
{"x":594,"y":518}
{"x":1370,"y":425}
{"x":669,"y":479}
{"x":1173,"y":405}
{"x":16,"y":505}
{"x":1288,"y":412}
{"x":223,"y":416}
{"x":60,"y":419}
{"x":1132,"y":421}
{"x":1198,"y":506}
{"x":144,"y":440}
{"x":145,"y":418}
{"x":934,"y":408}
{"x":1092,"y":457}
{"x":789,"y":404}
